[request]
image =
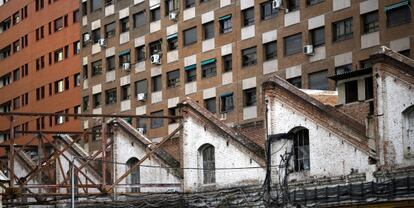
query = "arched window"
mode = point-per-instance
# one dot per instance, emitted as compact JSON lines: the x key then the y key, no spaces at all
{"x":408,"y":131}
{"x":300,"y":137}
{"x":134,"y":176}
{"x":209,"y":163}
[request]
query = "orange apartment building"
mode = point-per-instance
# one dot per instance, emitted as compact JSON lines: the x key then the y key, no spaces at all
{"x":39,"y":65}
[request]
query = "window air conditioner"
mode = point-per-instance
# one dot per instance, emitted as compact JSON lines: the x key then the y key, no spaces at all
{"x":102,"y":42}
{"x":308,"y":49}
{"x":156,"y":59}
{"x":141,"y":96}
{"x":141,"y":130}
{"x":126,"y":66}
{"x":276,"y":4}
{"x":86,"y":38}
{"x":173,"y":16}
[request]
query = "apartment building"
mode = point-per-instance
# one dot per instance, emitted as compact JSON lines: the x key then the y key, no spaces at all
{"x":39,"y":65}
{"x":143,"y":57}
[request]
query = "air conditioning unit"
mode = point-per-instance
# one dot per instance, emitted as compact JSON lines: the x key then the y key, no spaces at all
{"x":86,"y":38}
{"x":173,"y":16}
{"x":126,"y":66}
{"x":102,"y":42}
{"x":141,"y":130}
{"x":276,"y":4}
{"x":223,"y":116}
{"x":156,"y":59}
{"x":308,"y":49}
{"x":142,"y":96}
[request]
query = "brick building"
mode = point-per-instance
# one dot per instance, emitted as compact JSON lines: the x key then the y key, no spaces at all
{"x":39,"y":62}
{"x":143,"y":57}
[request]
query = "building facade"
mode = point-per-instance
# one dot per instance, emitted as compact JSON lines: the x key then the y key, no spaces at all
{"x":39,"y":62}
{"x":143,"y":57}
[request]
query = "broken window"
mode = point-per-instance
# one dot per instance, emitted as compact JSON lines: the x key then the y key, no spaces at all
{"x":209,"y":163}
{"x":301,"y":150}
{"x":351,"y":91}
{"x":133,"y":178}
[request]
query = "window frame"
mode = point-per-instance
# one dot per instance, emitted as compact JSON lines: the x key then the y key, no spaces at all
{"x":249,"y":56}
{"x":288,"y":45}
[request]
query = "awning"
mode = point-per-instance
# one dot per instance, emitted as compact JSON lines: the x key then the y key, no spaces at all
{"x":208,"y":61}
{"x":225,"y":17}
{"x":397,"y":5}
{"x":226,"y":94}
{"x":190,"y":67}
{"x":172,"y":36}
{"x":124,"y":52}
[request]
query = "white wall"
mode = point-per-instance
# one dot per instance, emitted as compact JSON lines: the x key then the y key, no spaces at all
{"x":226,"y":156}
{"x":330,"y":155}
{"x":393,"y":97}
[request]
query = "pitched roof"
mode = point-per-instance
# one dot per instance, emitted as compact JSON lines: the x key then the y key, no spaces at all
{"x":397,"y":60}
{"x":231,"y":133}
{"x":332,"y":118}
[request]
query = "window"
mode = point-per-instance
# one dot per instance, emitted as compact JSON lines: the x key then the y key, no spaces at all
{"x":96,"y":68}
{"x":318,"y":36}
{"x":267,"y":11}
{"x":125,"y":92}
{"x":301,"y":150}
{"x":210,"y":104}
{"x":124,"y":57}
{"x":76,"y":48}
{"x":16,"y":46}
{"x":292,"y":5}
{"x":209,"y":163}
{"x":58,"y":24}
{"x":351,"y":91}
{"x":157,"y":122}
{"x":208,"y":68}
{"x":365,"y":64}
{"x":110,"y":63}
{"x":110,"y":96}
{"x":343,"y":69}
{"x":85,"y":103}
{"x":171,"y":6}
{"x":16,"y":75}
{"x":16,"y":18}
{"x":59,"y":86}
{"x":225,"y":24}
{"x":134,"y":176}
{"x":16,"y":103}
{"x":172,"y":41}
{"x":293,"y":44}
{"x":227,"y":63}
{"x":190,"y":36}
{"x":156,"y":83}
{"x":313,"y":2}
{"x":370,"y":22}
{"x":369,"y":88}
{"x":96,"y":133}
{"x":85,"y":71}
{"x":155,"y":14}
{"x":85,"y":39}
{"x":84,"y":8}
{"x":59,"y":119}
{"x":96,"y":35}
{"x":399,"y":15}
{"x":76,"y":80}
{"x":141,"y":87}
{"x":342,"y":30}
{"x":318,"y":80}
{"x":296,"y":81}
{"x":155,"y":47}
{"x":208,"y":30}
{"x":139,"y":19}
{"x":405,"y":52}
{"x":249,"y":56}
{"x":97,"y":100}
{"x":109,"y":2}
{"x":227,"y":102}
{"x":110,"y":30}
{"x":191,"y":73}
{"x":124,"y":24}
{"x":249,"y":96}
{"x":408,"y":131}
{"x":95,"y":5}
{"x":140,"y":53}
{"x":189,"y":3}
{"x":39,"y":4}
{"x":173,"y":78}
{"x":248,"y":17}
{"x":76,"y":16}
{"x":270,"y":50}
{"x":173,"y":112}
{"x":58,"y":55}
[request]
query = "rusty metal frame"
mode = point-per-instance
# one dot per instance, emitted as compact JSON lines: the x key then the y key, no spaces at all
{"x":45,"y":160}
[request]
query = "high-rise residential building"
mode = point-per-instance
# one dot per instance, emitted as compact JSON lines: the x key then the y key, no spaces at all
{"x":39,"y":65}
{"x":143,"y":57}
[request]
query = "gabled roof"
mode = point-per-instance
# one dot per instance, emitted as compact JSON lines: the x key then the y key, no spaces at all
{"x":332,"y":118}
{"x":221,"y":127}
{"x":397,"y":60}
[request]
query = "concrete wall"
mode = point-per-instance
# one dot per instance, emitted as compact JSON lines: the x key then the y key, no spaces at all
{"x":330,"y":155}
{"x":394,"y":95}
{"x":227,"y":155}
